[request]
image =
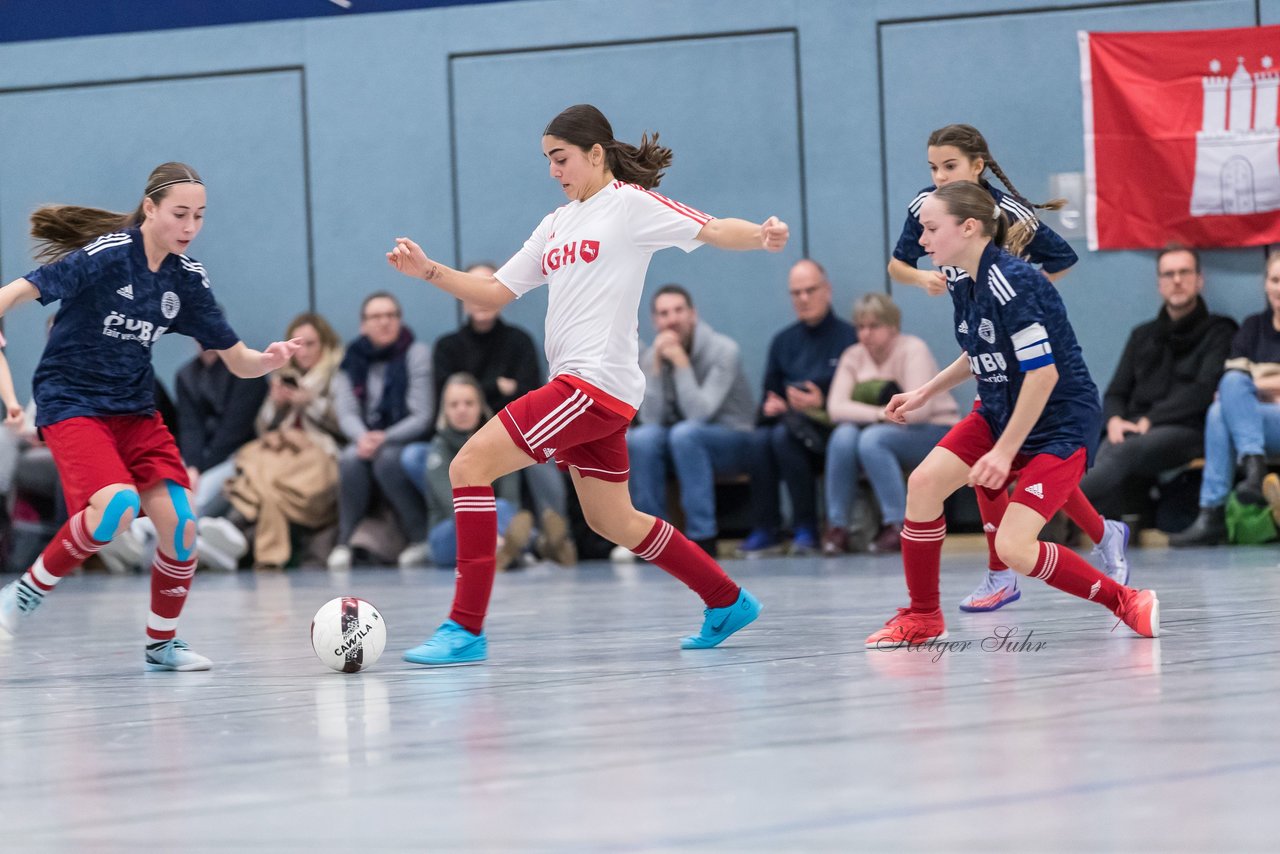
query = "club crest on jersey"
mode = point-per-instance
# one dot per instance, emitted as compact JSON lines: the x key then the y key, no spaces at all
{"x":571,"y":252}
{"x":170,"y":305}
{"x":987,"y":331}
{"x":117,"y":325}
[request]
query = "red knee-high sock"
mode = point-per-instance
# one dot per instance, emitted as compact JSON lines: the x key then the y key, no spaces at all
{"x":676,"y":553}
{"x":991,"y":507}
{"x":70,"y":547}
{"x":476,"y":518}
{"x":170,"y":583}
{"x":1064,"y":569}
{"x":1081,"y":511}
{"x":921,"y":557}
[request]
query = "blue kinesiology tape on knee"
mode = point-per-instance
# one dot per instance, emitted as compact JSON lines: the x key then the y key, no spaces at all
{"x":120,"y":503}
{"x":178,"y":496}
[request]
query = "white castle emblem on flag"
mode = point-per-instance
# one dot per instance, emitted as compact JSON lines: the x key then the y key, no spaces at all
{"x":1238,"y":147}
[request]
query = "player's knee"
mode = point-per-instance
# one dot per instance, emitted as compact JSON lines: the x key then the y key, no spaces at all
{"x":120,"y":505}
{"x":1017,"y":551}
{"x":924,"y":481}
{"x":184,"y":529}
{"x":466,"y":469}
{"x":598,"y":521}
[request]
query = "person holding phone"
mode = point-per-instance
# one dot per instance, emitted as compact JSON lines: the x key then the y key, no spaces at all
{"x":789,"y":443}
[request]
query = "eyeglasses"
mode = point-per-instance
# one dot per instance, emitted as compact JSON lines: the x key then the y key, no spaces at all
{"x":1185,"y":273}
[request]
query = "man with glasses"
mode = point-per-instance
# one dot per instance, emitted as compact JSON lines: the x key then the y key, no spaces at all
{"x":382,"y":395}
{"x":1155,"y":406}
{"x":789,"y":443}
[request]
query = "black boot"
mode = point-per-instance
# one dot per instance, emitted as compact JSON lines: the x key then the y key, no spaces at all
{"x":1209,"y":529}
{"x":1249,"y":489}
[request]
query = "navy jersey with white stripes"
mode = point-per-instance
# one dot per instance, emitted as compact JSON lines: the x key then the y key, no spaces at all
{"x":98,"y":357}
{"x":1047,"y":248}
{"x":1010,"y":320}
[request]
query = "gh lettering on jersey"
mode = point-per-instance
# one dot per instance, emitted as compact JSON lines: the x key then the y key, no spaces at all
{"x":569,"y":253}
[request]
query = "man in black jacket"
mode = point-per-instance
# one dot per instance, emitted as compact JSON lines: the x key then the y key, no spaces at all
{"x":1155,"y":406}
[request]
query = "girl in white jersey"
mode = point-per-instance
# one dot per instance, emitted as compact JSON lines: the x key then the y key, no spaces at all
{"x":593,"y":253}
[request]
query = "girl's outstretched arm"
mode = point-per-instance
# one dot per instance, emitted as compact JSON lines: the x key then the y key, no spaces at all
{"x":484,"y":291}
{"x":16,"y":293}
{"x":770,"y":235}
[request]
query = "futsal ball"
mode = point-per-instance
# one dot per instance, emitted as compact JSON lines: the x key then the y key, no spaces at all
{"x":348,"y":634}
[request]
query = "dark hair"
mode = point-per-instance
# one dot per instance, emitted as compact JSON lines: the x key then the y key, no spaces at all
{"x":671,"y":289}
{"x":973,"y":145}
{"x":585,"y":126}
{"x":1170,"y":248}
{"x":62,"y":229}
{"x":380,"y":295}
{"x":966,"y":200}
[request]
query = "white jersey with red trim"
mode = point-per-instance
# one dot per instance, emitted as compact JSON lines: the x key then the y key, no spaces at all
{"x":594,"y":256}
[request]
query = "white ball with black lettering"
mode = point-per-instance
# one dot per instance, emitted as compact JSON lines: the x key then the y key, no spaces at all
{"x":348,"y":634}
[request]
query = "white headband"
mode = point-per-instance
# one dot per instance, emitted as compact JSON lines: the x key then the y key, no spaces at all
{"x":160,"y":187}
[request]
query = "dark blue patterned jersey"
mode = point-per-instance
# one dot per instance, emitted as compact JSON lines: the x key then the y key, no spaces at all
{"x":1010,"y":320}
{"x":1046,"y":248}
{"x":98,"y":357}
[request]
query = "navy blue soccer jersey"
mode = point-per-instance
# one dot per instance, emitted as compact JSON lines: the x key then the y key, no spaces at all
{"x":1010,"y":320}
{"x":1046,"y":248}
{"x":98,"y":357}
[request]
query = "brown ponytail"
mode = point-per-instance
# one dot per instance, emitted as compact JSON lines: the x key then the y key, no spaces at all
{"x":585,"y":126}
{"x":966,"y":200}
{"x":62,"y":229}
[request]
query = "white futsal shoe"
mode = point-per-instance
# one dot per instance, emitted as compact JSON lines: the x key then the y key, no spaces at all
{"x":17,"y":600}
{"x":174,"y":654}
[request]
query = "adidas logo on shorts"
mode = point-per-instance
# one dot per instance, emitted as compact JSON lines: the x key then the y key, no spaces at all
{"x":1036,"y":489}
{"x":548,"y":453}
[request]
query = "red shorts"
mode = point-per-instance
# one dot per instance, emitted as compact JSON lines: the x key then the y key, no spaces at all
{"x":1044,"y":481}
{"x":95,"y":452}
{"x":576,"y":424}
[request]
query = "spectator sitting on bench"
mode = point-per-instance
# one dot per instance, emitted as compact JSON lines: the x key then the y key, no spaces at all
{"x":1154,"y":407}
{"x":882,"y":363}
{"x":696,"y":416}
{"x":1243,"y":426}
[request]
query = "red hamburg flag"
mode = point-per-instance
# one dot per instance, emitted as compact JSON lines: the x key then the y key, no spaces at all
{"x":1181,"y":139}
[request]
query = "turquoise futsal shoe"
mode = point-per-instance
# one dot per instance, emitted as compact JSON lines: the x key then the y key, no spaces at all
{"x":719,"y":623}
{"x":450,"y":646}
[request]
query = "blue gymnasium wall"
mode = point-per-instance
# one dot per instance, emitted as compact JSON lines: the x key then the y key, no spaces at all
{"x":323,"y":139}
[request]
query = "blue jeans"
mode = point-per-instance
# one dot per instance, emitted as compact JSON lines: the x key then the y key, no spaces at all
{"x":443,"y":538}
{"x":1238,"y":425}
{"x":413,"y":459}
{"x":698,"y":452}
{"x":882,"y":451}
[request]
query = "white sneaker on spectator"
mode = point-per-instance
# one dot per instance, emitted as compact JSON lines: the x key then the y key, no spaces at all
{"x":123,"y":554}
{"x":221,"y":544}
{"x":415,"y":556}
{"x":339,"y":559}
{"x":622,"y":554}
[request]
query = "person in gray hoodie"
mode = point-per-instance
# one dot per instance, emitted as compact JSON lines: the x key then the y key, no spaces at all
{"x":696,"y":417}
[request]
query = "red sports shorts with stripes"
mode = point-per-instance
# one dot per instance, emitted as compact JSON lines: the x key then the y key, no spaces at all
{"x":93,"y":452}
{"x":1044,"y":482}
{"x":575,"y":423}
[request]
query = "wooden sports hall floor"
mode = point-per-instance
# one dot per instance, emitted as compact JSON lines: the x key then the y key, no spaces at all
{"x":589,"y":730}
